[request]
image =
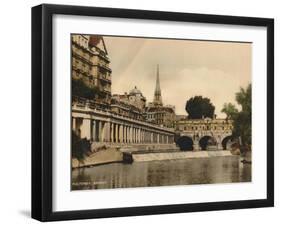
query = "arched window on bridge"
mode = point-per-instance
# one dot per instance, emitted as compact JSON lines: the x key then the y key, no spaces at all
{"x":185,"y":143}
{"x":226,"y":142}
{"x":207,"y":141}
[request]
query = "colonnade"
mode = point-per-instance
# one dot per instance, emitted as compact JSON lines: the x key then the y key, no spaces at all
{"x":119,"y":132}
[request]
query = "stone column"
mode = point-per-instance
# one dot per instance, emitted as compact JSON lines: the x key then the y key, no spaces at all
{"x":86,"y":129}
{"x":111,"y":132}
{"x":97,"y":130}
{"x":73,"y":123}
{"x":137,"y":135}
{"x":93,"y":135}
{"x":116,"y":133}
{"x":196,"y":145}
{"x":145,"y":137}
{"x":124,"y":134}
{"x":133,"y":134}
{"x":121,"y":133}
{"x":102,"y":131}
{"x":126,"y":131}
{"x":107,"y":132}
{"x":129,"y":134}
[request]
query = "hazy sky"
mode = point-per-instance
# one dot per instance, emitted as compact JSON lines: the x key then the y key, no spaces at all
{"x":187,"y":68}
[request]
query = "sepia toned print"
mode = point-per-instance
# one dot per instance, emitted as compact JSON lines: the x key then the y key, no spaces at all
{"x":158,"y":112}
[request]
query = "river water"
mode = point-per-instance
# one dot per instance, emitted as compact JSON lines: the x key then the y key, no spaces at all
{"x":162,"y":173}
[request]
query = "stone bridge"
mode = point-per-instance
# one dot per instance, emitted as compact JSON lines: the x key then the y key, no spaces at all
{"x":204,"y":134}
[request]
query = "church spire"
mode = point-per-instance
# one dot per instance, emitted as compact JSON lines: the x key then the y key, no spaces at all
{"x":157,"y":93}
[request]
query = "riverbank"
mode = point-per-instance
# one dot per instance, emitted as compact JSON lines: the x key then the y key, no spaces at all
{"x":99,"y":158}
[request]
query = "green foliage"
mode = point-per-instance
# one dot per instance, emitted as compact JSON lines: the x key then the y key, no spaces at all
{"x":80,"y":147}
{"x":244,"y":98}
{"x":242,"y":127}
{"x":242,"y":120}
{"x":197,"y":107}
{"x":80,"y":89}
{"x":230,"y":110}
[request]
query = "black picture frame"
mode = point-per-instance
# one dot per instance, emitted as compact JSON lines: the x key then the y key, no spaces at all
{"x":42,"y":107}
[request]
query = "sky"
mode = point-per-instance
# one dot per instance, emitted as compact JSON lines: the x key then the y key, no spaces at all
{"x":187,"y":68}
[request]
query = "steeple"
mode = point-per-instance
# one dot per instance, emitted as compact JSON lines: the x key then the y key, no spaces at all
{"x":157,"y":93}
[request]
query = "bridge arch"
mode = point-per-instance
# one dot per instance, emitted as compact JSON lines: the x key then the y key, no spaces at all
{"x":185,"y":143}
{"x":225,"y":142}
{"x":205,"y":141}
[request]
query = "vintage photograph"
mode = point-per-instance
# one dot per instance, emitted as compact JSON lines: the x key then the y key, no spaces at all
{"x":159,"y":112}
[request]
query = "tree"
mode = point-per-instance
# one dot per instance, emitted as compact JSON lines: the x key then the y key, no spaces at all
{"x":244,"y":98}
{"x":80,"y":147}
{"x":242,"y":120}
{"x":230,"y":110}
{"x":80,"y":89}
{"x":198,"y":107}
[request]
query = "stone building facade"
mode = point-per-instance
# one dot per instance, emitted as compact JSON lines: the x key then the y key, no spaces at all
{"x":90,"y":63}
{"x":130,"y":104}
{"x":156,"y":112}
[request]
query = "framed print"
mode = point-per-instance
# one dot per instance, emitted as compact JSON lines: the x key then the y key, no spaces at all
{"x":146,"y":112}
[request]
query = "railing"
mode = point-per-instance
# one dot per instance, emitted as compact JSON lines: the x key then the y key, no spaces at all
{"x":104,"y":78}
{"x":82,"y":103}
{"x":104,"y":66}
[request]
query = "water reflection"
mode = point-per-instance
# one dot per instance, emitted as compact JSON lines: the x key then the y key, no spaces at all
{"x":160,"y":173}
